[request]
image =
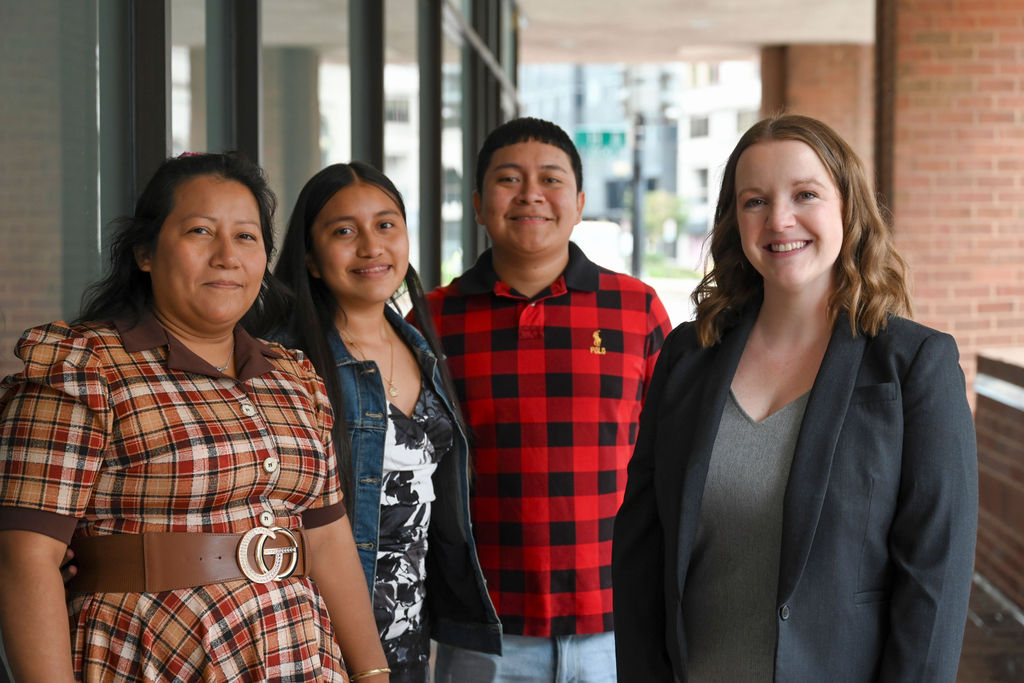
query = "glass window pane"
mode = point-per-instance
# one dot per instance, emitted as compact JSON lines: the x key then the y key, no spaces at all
{"x":401,"y":111}
{"x":306,"y":105}
{"x":508,"y":35}
{"x":451,"y":159}
{"x":49,"y":169}
{"x":188,"y":76}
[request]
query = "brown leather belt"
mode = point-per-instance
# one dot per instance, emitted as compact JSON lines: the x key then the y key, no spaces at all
{"x":150,"y":563}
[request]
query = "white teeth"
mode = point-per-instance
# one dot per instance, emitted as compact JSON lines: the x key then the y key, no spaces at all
{"x":788,"y":246}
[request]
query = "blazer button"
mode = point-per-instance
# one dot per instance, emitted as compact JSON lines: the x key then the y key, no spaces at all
{"x":267,"y":519}
{"x":784,"y":612}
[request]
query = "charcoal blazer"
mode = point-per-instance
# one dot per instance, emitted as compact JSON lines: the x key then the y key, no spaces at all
{"x":879,"y":514}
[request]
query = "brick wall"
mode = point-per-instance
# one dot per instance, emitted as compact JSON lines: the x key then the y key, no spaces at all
{"x":1000,"y":424}
{"x":958,"y":167}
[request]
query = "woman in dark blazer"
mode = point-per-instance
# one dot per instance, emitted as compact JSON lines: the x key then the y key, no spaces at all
{"x":802,"y":501}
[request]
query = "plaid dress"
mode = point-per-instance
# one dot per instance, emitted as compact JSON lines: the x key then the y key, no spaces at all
{"x":115,"y":431}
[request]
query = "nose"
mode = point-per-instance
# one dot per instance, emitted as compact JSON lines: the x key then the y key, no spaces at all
{"x":369,"y":244}
{"x":779,"y":216}
{"x":530,"y":190}
{"x":225,"y":252}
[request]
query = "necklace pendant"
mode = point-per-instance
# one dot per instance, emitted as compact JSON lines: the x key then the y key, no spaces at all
{"x":392,"y":391}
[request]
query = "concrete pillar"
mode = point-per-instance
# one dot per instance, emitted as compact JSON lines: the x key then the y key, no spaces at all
{"x":291,"y":117}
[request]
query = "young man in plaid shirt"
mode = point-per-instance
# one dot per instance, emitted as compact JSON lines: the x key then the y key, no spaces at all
{"x":551,"y":356}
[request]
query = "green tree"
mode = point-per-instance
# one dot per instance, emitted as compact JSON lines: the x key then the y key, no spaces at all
{"x":659,"y":207}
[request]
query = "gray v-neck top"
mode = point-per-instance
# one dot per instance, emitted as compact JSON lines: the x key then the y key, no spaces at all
{"x":732,"y":581}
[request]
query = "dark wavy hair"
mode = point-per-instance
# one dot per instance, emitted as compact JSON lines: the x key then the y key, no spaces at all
{"x":126,"y":291}
{"x":870,"y":275}
{"x":526,"y":129}
{"x":310,"y":314}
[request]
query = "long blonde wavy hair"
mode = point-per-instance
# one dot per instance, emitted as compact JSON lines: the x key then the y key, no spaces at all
{"x":870,"y":275}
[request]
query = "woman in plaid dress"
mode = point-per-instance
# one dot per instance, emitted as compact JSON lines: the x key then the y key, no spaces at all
{"x":158,"y":415}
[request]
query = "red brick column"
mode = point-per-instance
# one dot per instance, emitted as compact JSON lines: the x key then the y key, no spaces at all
{"x":773,"y":79}
{"x":833,"y":83}
{"x":958,"y":166}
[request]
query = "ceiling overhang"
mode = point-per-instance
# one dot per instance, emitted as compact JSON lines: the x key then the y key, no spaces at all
{"x":603,"y":31}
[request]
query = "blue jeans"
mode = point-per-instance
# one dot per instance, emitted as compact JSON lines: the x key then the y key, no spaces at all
{"x":561,"y":659}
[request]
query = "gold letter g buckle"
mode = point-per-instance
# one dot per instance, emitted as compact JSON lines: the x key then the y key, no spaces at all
{"x":262,"y":573}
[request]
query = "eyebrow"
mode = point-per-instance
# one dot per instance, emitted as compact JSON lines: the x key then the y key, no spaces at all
{"x":213,"y":219}
{"x":382,"y":212}
{"x":809,"y":181}
{"x":795,"y":183}
{"x":518,"y":167}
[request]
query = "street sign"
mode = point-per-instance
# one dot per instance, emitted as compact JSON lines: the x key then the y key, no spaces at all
{"x":603,"y":140}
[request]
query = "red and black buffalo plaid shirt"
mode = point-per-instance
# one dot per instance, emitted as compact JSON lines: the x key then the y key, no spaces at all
{"x":552,"y":387}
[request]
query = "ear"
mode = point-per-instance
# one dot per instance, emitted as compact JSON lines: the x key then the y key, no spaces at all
{"x":142,"y":259}
{"x":581,"y":199}
{"x":311,"y":266}
{"x":476,"y":207}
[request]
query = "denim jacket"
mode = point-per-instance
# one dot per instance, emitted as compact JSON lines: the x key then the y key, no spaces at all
{"x":458,"y":606}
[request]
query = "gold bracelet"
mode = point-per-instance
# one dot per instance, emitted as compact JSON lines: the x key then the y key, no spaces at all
{"x":369,"y":672}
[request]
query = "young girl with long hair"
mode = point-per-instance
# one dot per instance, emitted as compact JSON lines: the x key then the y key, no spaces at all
{"x":400,"y":439}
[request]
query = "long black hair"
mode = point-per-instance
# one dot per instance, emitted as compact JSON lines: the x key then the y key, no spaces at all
{"x":309,"y":316}
{"x":126,"y":291}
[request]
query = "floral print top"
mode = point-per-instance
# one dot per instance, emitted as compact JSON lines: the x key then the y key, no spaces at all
{"x":413,"y":447}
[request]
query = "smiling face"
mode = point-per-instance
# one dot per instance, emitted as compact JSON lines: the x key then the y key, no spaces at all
{"x":359,"y":246}
{"x":208,"y":263}
{"x":790,"y":217}
{"x":529,"y":202}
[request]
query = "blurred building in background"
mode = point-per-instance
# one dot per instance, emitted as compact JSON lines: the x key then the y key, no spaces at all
{"x":692,"y":114}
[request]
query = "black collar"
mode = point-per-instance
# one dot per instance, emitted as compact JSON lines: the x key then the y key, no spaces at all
{"x":580,"y":274}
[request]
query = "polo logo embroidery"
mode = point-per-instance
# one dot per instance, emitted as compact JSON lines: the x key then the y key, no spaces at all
{"x":597,"y":349}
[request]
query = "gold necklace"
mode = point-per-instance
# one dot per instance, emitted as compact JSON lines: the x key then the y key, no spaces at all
{"x":392,"y":389}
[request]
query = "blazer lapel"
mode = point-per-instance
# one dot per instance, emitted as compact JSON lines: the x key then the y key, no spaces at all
{"x":717,"y":371}
{"x":812,"y":459}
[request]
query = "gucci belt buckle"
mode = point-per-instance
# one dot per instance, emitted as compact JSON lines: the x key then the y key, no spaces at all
{"x":261,"y":573}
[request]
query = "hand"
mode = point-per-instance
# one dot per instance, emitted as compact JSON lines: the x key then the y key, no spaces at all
{"x":67,"y":569}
